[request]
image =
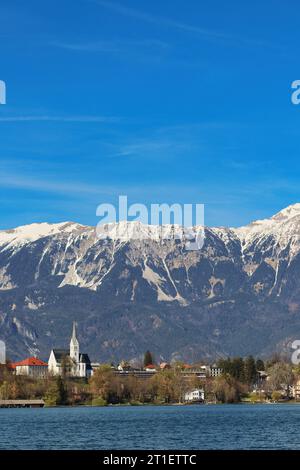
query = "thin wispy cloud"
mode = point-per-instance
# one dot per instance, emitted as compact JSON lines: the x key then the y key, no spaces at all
{"x":154,"y":148}
{"x":24,"y":182}
{"x":178,"y":25}
{"x":112,"y":46}
{"x":157,"y":20}
{"x":40,"y":118}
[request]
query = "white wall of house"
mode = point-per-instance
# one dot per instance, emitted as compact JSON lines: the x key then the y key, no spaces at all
{"x":53,"y":367}
{"x":32,"y":371}
{"x":296,"y":390}
{"x":194,"y":395}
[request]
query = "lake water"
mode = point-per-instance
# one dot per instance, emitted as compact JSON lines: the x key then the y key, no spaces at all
{"x":149,"y":427}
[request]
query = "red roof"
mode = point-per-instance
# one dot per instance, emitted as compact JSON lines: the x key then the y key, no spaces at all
{"x":150,"y":366}
{"x":30,"y":361}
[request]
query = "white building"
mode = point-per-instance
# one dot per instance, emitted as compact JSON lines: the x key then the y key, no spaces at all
{"x":214,"y":371}
{"x":71,"y":361}
{"x":32,"y":366}
{"x":194,"y":395}
{"x":2,"y":352}
{"x":296,"y":390}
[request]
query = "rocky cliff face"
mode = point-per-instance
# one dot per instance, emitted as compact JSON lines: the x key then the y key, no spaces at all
{"x":239,"y":294}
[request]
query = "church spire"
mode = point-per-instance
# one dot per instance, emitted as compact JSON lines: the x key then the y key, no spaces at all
{"x":74,"y":332}
{"x":74,"y":345}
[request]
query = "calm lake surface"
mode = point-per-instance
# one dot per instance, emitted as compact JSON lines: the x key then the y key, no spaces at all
{"x":149,"y":427}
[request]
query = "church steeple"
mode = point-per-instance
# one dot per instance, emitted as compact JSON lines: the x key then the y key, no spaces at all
{"x":74,"y":345}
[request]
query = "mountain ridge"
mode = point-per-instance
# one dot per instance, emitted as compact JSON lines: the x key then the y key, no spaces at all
{"x":132,"y":295}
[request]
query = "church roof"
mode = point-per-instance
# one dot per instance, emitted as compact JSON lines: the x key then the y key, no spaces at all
{"x":59,"y":354}
{"x":86,"y":360}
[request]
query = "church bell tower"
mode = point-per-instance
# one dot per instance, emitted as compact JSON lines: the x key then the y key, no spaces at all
{"x":74,"y":345}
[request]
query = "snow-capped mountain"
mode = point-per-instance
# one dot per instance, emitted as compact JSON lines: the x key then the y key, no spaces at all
{"x":134,"y":291}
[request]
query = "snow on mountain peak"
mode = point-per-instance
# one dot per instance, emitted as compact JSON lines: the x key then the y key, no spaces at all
{"x":287,"y":213}
{"x":35,"y":231}
{"x":283,"y":216}
{"x":282,"y":224}
{"x":283,"y":227}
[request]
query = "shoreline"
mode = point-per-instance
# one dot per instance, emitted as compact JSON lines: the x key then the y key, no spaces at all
{"x":148,"y":405}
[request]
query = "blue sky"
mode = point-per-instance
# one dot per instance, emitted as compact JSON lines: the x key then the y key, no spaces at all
{"x":165,"y":101}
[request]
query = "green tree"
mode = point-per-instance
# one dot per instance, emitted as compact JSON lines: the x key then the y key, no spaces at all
{"x":273,"y":360}
{"x":5,"y":391}
{"x":67,"y":365}
{"x":276,"y":395}
{"x":225,"y":365}
{"x":103,"y":383}
{"x":260,"y":365}
{"x":238,"y":369}
{"x":148,"y":359}
{"x":62,"y":391}
{"x":250,"y":370}
{"x":227,"y":389}
{"x":281,"y":377}
{"x":167,"y":386}
{"x":57,"y":393}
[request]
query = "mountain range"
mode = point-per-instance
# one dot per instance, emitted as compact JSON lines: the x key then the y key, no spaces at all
{"x":238,"y":295}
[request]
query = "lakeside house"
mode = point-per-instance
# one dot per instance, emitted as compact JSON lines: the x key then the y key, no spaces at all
{"x":196,"y":395}
{"x":72,"y":361}
{"x":32,"y":366}
{"x":296,"y":390}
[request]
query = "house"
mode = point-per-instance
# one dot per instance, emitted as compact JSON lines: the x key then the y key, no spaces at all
{"x":95,"y":366}
{"x":124,"y":366}
{"x":32,"y":366}
{"x":196,"y":395}
{"x":164,"y":366}
{"x":150,"y":368}
{"x":72,"y":361}
{"x":296,"y":390}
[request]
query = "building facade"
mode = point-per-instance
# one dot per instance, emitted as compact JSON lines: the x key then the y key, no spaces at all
{"x":196,"y":395}
{"x":214,"y":371}
{"x":296,"y":390}
{"x":32,"y":367}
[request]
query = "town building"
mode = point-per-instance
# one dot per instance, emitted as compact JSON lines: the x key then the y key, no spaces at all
{"x":200,"y":373}
{"x":138,"y":373}
{"x":32,"y":367}
{"x":71,"y":362}
{"x":196,"y":395}
{"x":124,"y":366}
{"x":150,"y":368}
{"x":2,"y":352}
{"x":214,"y":371}
{"x":296,"y":390}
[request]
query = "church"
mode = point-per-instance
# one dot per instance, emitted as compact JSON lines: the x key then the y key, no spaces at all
{"x":72,"y":361}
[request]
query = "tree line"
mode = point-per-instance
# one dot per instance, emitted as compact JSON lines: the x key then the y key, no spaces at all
{"x":241,"y":379}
